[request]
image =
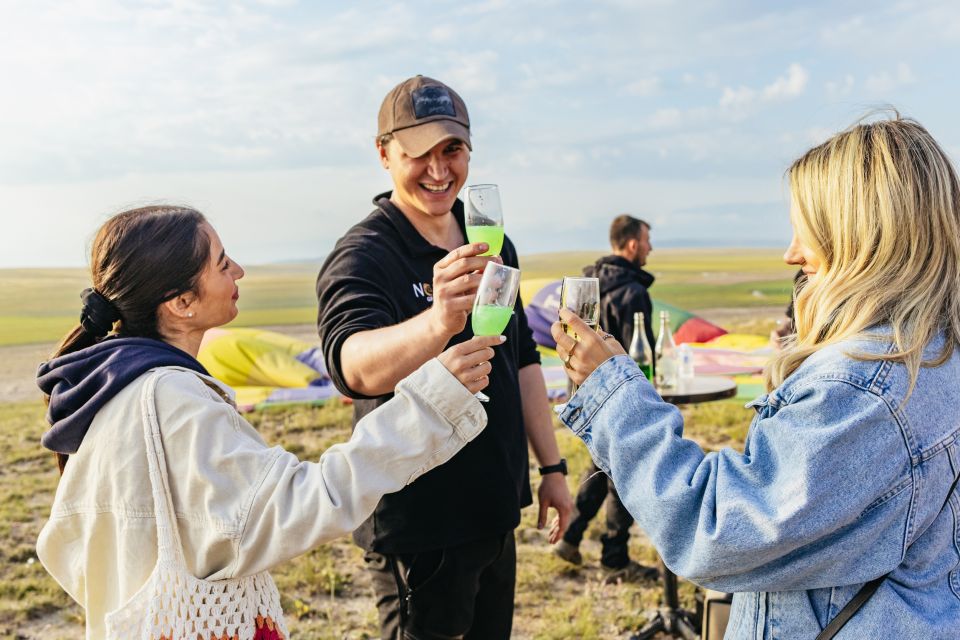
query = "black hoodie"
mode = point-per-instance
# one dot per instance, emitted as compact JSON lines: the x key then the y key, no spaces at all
{"x":80,"y":383}
{"x":623,"y":292}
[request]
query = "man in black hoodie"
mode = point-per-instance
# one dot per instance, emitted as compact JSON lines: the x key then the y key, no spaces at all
{"x":623,"y":292}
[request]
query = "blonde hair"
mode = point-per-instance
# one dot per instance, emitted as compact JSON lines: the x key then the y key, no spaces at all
{"x":879,"y":205}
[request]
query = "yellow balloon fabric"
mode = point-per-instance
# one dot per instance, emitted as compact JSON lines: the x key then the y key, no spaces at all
{"x":255,"y":358}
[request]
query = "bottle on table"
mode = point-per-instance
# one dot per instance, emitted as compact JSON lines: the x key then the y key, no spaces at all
{"x":665,"y":354}
{"x":640,"y":350}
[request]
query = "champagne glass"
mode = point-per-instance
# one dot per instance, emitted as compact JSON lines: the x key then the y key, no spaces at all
{"x":483,"y":217}
{"x":582,"y":296}
{"x":494,"y":303}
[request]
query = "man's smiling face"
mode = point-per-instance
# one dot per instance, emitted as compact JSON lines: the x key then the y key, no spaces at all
{"x":429,"y":184}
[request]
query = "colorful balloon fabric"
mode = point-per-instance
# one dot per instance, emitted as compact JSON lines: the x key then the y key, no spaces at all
{"x":715,"y":352}
{"x":269,"y":368}
{"x":545,"y":302}
{"x":265,"y":367}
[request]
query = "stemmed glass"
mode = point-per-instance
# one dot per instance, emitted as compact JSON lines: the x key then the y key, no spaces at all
{"x":483,"y":216}
{"x":494,"y":303}
{"x":581,"y":295}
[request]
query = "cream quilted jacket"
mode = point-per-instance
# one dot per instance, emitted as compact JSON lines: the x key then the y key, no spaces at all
{"x":242,"y":506}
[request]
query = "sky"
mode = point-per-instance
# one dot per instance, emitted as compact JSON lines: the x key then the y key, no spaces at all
{"x":262,"y":113}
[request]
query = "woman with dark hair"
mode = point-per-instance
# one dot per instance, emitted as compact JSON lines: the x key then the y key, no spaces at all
{"x":140,"y":419}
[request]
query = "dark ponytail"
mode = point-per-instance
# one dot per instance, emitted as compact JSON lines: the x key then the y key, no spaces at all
{"x":140,"y":259}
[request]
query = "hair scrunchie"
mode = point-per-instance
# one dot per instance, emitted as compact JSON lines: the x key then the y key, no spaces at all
{"x":98,"y":313}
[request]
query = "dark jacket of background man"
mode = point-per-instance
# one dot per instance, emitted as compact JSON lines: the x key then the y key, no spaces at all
{"x":623,"y":291}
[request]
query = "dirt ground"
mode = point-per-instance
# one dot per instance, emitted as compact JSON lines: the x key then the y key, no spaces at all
{"x":18,"y":369}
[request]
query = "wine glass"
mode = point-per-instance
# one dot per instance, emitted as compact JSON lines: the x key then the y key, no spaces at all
{"x":580,"y":295}
{"x":483,"y":217}
{"x":494,"y":303}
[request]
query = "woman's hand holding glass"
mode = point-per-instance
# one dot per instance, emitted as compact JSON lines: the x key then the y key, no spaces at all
{"x":582,"y":356}
{"x":469,"y":361}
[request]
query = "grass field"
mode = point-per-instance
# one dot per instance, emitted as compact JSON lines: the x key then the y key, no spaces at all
{"x":41,"y":305}
{"x":326,"y":593}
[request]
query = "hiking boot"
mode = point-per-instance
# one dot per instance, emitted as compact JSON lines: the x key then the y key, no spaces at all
{"x":568,"y":552}
{"x":630,"y":572}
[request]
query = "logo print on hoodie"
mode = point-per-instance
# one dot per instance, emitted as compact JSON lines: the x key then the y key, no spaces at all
{"x":423,"y":290}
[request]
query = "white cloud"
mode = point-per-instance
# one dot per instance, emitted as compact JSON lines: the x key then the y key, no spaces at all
{"x":741,"y":96}
{"x":665,"y":118}
{"x":542,"y":75}
{"x":476,"y":72}
{"x":887,"y":81}
{"x":842,"y":32}
{"x":443,"y":33}
{"x":738,"y":103}
{"x":789,"y":86}
{"x":643,"y":86}
{"x":840,"y":88}
{"x":817,"y":135}
{"x":487,"y":6}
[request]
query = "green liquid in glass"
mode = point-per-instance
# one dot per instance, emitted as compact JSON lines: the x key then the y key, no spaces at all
{"x":647,"y":371}
{"x":490,"y":320}
{"x":493,"y":236}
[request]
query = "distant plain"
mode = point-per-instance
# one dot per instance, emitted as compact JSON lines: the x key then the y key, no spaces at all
{"x":40,"y":305}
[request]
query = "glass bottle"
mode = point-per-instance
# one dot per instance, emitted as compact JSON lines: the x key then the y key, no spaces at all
{"x":639,"y":347}
{"x":666,"y":354}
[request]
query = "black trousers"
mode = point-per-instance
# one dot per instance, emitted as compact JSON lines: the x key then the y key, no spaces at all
{"x":595,"y":489}
{"x":464,"y":591}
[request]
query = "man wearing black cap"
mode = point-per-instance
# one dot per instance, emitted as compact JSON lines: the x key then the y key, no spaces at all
{"x":397,"y":290}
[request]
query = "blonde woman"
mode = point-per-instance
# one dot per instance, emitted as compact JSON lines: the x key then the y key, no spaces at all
{"x":847,"y":483}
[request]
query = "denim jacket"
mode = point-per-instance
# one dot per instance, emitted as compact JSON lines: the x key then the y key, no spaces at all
{"x":840,"y":482}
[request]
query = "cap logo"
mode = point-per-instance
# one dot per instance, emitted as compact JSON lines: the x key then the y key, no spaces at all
{"x":432,"y":100}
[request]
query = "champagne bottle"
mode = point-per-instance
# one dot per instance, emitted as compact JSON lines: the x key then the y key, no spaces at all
{"x":666,"y":354}
{"x":639,"y":347}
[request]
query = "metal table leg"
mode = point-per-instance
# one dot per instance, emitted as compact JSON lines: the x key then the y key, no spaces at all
{"x":671,"y":618}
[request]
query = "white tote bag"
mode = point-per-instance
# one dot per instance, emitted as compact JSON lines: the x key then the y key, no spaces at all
{"x":173,"y":604}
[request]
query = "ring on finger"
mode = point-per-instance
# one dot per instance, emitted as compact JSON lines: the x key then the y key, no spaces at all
{"x":566,"y":361}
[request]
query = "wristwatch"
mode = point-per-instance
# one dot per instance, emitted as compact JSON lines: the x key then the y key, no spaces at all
{"x":560,"y":467}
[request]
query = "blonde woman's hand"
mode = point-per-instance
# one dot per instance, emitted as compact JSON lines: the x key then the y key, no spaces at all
{"x":469,"y":361}
{"x":581,"y":358}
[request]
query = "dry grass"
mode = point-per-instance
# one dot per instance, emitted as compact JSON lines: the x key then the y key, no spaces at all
{"x":326,"y":593}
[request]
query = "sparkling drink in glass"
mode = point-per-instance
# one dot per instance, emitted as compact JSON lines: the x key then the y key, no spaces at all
{"x":493,"y":306}
{"x":582,"y":296}
{"x":483,"y":217}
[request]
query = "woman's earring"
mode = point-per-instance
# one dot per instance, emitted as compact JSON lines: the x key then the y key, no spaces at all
{"x":190,"y":314}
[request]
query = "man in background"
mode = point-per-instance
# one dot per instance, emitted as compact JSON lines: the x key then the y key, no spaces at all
{"x":623,"y":291}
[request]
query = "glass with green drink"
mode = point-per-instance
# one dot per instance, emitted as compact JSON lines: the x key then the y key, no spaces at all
{"x":494,"y":303}
{"x":483,"y":216}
